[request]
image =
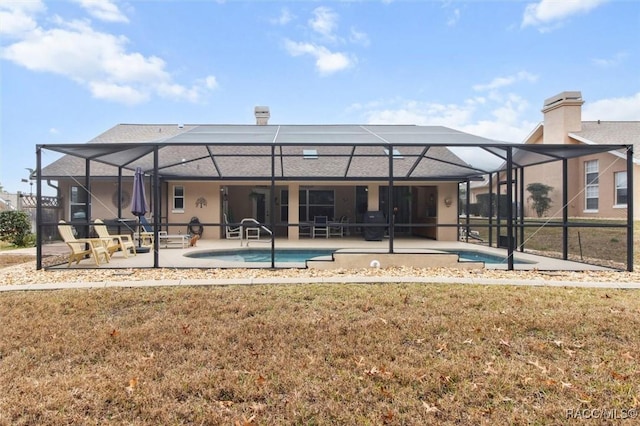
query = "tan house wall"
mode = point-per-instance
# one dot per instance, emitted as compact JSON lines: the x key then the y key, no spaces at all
{"x":102,"y":200}
{"x":207,"y":211}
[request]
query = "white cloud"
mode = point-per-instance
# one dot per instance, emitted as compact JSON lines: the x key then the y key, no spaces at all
{"x":500,"y":118}
{"x":359,"y":37}
{"x":500,"y":82}
{"x":210,"y":82}
{"x":613,"y":109}
{"x":17,"y":18}
{"x":324,"y":22}
{"x":553,"y":12}
{"x":119,"y":93}
{"x":100,"y":62}
{"x":104,"y":10}
{"x":284,"y":18}
{"x":454,"y":18}
{"x":613,"y":61}
{"x":327,"y":62}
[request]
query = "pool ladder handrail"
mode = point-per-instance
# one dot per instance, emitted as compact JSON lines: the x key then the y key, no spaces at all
{"x":255,"y":224}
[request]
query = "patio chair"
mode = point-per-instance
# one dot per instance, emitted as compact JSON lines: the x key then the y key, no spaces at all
{"x":320,"y":226}
{"x":251,"y":228}
{"x":336,"y":229}
{"x":122,"y":242}
{"x":145,"y":235}
{"x":304,"y":229}
{"x":231,"y":232}
{"x":82,"y":247}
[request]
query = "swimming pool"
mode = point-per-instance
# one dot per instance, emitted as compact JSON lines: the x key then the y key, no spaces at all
{"x":295,"y":257}
{"x":262,"y":255}
{"x":476,"y":256}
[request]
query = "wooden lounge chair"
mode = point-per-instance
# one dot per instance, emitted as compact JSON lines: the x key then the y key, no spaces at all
{"x":82,"y":247}
{"x":122,"y":242}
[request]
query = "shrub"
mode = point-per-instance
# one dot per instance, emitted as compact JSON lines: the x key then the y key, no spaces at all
{"x":540,"y":197}
{"x":15,"y":228}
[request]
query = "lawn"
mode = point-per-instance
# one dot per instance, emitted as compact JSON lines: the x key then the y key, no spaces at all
{"x":602,"y":246}
{"x":319,"y":355}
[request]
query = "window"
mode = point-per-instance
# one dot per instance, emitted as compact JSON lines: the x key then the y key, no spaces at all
{"x":620,"y":179}
{"x":592,"y":188}
{"x":78,"y":203}
{"x":313,"y":202}
{"x":396,"y":154}
{"x":178,"y":198}
{"x":310,"y":154}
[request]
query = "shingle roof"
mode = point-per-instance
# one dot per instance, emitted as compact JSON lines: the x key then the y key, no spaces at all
{"x":611,"y":132}
{"x":243,"y":151}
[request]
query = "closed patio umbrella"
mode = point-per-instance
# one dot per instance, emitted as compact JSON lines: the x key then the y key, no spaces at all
{"x":138,"y":198}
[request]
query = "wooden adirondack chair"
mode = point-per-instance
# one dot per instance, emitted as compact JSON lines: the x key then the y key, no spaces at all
{"x":81,"y":247}
{"x":122,"y":242}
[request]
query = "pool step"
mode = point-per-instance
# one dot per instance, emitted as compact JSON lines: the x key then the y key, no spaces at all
{"x":358,"y":260}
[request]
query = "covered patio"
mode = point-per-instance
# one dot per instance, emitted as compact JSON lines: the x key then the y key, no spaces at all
{"x":409,"y":173}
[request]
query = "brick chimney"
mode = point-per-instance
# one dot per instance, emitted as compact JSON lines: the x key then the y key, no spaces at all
{"x":262,"y":115}
{"x":562,"y":115}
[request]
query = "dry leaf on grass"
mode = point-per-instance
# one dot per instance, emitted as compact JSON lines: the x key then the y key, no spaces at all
{"x":430,"y":408}
{"x":133,"y":383}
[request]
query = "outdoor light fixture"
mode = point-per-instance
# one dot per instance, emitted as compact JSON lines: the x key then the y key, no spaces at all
{"x":447,"y":202}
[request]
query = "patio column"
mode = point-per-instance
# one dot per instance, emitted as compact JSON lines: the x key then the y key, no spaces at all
{"x":373,"y":197}
{"x":294,"y":210}
{"x":216,"y":211}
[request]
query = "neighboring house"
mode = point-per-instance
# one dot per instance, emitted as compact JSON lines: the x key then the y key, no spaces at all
{"x":597,"y":183}
{"x":8,"y":201}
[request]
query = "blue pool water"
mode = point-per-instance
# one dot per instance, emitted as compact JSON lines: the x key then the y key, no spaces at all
{"x":302,"y":255}
{"x":262,"y":255}
{"x":476,"y":256}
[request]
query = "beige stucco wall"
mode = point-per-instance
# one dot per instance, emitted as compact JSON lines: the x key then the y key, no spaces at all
{"x":102,"y":196}
{"x":551,"y":174}
{"x":241,"y":204}
{"x":206,"y":213}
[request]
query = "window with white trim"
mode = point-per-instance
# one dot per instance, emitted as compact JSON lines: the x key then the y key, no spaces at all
{"x":77,"y":203}
{"x":592,"y":186}
{"x":178,"y":198}
{"x":620,"y":179}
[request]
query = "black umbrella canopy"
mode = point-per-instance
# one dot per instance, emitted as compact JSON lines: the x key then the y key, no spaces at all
{"x":139,"y":199}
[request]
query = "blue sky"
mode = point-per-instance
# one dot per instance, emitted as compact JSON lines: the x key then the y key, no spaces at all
{"x":72,"y":69}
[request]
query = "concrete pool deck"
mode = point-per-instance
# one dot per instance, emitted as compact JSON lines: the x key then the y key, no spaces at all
{"x":137,"y":271}
{"x":420,"y":249}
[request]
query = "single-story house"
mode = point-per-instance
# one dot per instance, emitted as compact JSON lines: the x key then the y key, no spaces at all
{"x":282,"y":176}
